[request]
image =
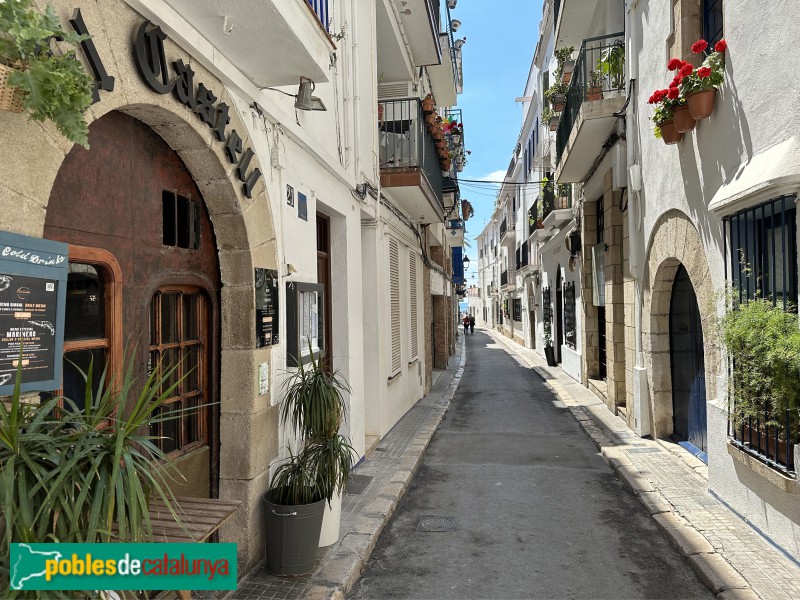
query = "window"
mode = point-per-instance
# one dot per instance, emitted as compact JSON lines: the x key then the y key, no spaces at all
{"x":93,"y":319}
{"x":181,"y":220}
{"x":569,"y":314}
{"x":412,"y":300}
{"x":178,"y":338}
{"x":712,"y":21}
{"x":763,"y":261}
{"x":517,"y":308}
{"x":763,"y":251}
{"x":394,"y":304}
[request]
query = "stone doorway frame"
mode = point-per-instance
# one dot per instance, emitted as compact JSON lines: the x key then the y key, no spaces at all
{"x":674,"y":241}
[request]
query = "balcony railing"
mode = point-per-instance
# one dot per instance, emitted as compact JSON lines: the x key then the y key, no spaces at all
{"x":599,"y":73}
{"x":405,"y":142}
{"x":320,"y":7}
{"x":503,"y":229}
{"x":504,"y":279}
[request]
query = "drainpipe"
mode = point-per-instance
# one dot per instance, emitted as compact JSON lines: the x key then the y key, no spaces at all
{"x":643,"y":423}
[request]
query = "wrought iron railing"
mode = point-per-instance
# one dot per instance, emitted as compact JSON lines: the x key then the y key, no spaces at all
{"x":320,"y":7}
{"x":599,"y":73}
{"x":405,"y":142}
{"x":503,"y":229}
{"x":504,"y":278}
{"x":768,"y":440}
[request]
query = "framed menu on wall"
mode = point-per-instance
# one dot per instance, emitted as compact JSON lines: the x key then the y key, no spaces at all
{"x":33,"y":281}
{"x":304,"y":322}
{"x":267,"y":318}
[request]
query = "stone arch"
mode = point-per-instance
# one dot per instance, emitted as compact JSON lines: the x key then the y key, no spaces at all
{"x":674,"y":241}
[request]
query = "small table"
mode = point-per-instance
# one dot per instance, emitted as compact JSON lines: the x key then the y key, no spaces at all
{"x":200,"y":518}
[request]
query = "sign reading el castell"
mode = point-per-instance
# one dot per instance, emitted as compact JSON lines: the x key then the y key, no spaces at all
{"x":152,"y":65}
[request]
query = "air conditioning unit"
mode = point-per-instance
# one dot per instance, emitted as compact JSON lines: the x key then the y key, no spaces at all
{"x":396,"y":89}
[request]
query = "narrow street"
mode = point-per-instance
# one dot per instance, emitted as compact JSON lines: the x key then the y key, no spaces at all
{"x":512,"y":500}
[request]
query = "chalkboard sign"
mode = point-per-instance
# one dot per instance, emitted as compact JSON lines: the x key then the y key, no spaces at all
{"x":266,"y":307}
{"x":33,"y":282}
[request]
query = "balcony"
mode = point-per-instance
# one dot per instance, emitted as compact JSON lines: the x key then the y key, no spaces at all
{"x":558,"y":210}
{"x":507,"y":231}
{"x":409,"y":161}
{"x":291,"y":33}
{"x":407,"y":37}
{"x":529,"y":258}
{"x":508,"y":281}
{"x":574,"y":20}
{"x":596,"y":92}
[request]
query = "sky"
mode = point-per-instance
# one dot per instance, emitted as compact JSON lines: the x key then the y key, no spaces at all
{"x":501,"y":38}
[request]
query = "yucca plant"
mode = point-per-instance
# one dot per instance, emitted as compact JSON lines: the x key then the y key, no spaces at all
{"x":71,"y":475}
{"x":314,"y":404}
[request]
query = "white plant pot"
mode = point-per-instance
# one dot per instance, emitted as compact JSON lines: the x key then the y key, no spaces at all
{"x":611,"y":94}
{"x":331,"y":521}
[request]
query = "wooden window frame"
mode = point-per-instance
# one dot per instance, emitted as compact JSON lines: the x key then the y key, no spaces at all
{"x":203,"y":329}
{"x":107,"y":264}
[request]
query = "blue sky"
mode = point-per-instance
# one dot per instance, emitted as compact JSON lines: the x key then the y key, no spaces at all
{"x":501,"y":37}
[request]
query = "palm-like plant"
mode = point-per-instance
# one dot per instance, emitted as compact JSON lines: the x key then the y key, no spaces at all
{"x":71,"y":475}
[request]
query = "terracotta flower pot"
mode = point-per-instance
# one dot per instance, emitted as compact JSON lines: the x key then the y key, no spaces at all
{"x":559,"y":102}
{"x":594,"y":94}
{"x":701,"y":104}
{"x":566,"y":76}
{"x":428,"y":105}
{"x":669,"y":133}
{"x":684,"y":121}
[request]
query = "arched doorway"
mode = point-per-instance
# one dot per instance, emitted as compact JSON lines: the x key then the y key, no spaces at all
{"x":688,"y":366}
{"x":131,"y":199}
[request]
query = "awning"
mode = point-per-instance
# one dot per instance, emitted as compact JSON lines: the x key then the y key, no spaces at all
{"x":771,"y":172}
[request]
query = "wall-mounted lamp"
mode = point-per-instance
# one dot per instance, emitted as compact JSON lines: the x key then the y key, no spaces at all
{"x":304,"y":100}
{"x":465,"y":261}
{"x":454,"y":25}
{"x":290,"y":269}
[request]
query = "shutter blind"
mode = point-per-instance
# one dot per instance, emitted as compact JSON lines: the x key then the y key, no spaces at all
{"x":394,"y":298}
{"x":412,"y":293}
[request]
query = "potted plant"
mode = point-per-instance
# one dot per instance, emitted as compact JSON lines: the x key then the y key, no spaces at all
{"x":551,"y":118}
{"x":40,"y":76}
{"x":314,"y":405}
{"x":557,"y":95}
{"x":595,"y":90}
{"x":428,"y":104}
{"x":699,"y":87}
{"x":565,"y":63}
{"x":611,"y":65}
{"x":763,"y":343}
{"x":664,"y":102}
{"x":549,"y":353}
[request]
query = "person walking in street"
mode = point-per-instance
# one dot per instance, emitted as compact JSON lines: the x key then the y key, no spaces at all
{"x":466,"y":323}
{"x":472,"y":324}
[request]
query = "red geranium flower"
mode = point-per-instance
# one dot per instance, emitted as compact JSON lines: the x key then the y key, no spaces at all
{"x":673,"y":84}
{"x":674,"y":63}
{"x":677,"y":80}
{"x":673,"y":93}
{"x":703,"y":72}
{"x":699,"y":46}
{"x":686,"y":70}
{"x":721,"y":46}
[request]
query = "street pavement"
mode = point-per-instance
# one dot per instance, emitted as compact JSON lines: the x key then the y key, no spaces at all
{"x":513,"y":500}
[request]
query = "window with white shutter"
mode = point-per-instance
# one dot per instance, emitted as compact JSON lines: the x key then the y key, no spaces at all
{"x":412,"y":301}
{"x":394,"y":298}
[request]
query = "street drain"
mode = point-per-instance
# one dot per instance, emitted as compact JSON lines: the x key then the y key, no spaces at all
{"x":436,"y":524}
{"x":642,"y":450}
{"x":356,"y":484}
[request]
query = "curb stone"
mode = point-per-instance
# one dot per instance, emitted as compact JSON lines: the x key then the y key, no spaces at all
{"x":711,"y":567}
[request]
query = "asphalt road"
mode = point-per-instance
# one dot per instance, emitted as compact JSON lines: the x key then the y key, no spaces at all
{"x":528,"y":507}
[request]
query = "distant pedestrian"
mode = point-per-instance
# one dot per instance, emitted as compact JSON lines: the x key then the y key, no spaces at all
{"x":472,"y":324}
{"x":466,"y":324}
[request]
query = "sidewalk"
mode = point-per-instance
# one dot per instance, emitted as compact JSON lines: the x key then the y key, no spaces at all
{"x":373,"y":492}
{"x":731,"y":558}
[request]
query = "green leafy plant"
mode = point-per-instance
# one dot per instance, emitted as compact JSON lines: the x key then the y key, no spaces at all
{"x":562,"y":56}
{"x":546,"y":114}
{"x":69,"y":475}
{"x":314,"y":404}
{"x":595,"y":80}
{"x":611,"y":64}
{"x":708,"y":75}
{"x":557,"y":89}
{"x":564,"y":190}
{"x":664,"y":103}
{"x":55,"y":83}
{"x":763,"y":342}
{"x":548,"y":333}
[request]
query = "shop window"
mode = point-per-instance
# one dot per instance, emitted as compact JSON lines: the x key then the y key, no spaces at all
{"x":569,"y":315}
{"x":517,"y":307}
{"x":178,"y":339}
{"x":92,"y":321}
{"x":181,"y":220}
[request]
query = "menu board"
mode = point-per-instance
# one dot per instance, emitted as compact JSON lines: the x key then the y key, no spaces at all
{"x":305,"y":322}
{"x":33,"y":278}
{"x":266,"y":307}
{"x":27,"y":328}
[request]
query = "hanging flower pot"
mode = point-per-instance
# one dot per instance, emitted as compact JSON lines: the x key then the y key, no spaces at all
{"x":428,"y":105}
{"x":10,"y":97}
{"x":559,"y":102}
{"x":669,"y":133}
{"x":437,"y":134}
{"x":684,"y":121}
{"x":430,"y":118}
{"x":701,"y":104}
{"x":566,"y":76}
{"x":554,"y":122}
